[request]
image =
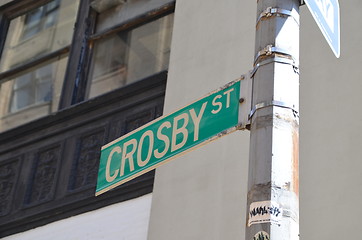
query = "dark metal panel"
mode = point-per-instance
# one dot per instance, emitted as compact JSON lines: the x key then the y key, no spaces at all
{"x":8,"y":182}
{"x":75,"y":81}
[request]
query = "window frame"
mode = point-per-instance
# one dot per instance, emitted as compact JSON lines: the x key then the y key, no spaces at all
{"x":6,"y":16}
{"x":8,"y":13}
{"x":79,"y":79}
{"x":80,"y":49}
{"x":33,"y":88}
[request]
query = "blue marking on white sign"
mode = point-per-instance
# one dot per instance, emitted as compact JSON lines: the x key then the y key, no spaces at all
{"x":326,"y":14}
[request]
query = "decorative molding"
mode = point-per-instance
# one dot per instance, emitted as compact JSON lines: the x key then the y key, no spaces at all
{"x":86,"y":161}
{"x":137,"y":120}
{"x":43,"y":179}
{"x":8,"y":179}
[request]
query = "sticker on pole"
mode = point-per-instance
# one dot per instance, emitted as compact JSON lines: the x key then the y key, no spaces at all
{"x":326,"y":14}
{"x":261,"y":236}
{"x":264,"y":212}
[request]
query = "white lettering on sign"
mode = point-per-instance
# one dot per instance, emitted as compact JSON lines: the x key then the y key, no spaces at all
{"x":176,"y":130}
{"x":150,"y":136}
{"x":110,"y":178}
{"x":196,"y":119}
{"x":327,"y":10}
{"x":227,"y":93}
{"x":140,"y":151}
{"x":128,"y":155}
{"x":163,"y":138}
{"x":219,"y":104}
{"x":263,"y":212}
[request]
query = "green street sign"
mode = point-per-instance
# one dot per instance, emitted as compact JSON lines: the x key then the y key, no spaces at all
{"x":169,"y":136}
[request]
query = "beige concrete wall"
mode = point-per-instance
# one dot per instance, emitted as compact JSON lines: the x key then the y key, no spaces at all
{"x":3,"y":2}
{"x":331,"y":130}
{"x":202,"y":195}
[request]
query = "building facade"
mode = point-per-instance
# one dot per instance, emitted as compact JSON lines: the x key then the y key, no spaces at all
{"x":76,"y":75}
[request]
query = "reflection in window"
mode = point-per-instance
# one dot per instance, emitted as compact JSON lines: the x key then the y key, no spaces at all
{"x":126,"y":57}
{"x":40,"y":19}
{"x":38,"y":36}
{"x":32,"y":88}
{"x":31,"y":95}
{"x":38,"y":33}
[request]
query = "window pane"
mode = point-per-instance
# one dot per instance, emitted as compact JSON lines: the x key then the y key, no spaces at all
{"x":43,"y":92}
{"x":149,"y":49}
{"x":39,"y":19}
{"x":21,"y":98}
{"x":109,"y":55}
{"x":50,"y":19}
{"x":44,"y":74}
{"x":38,"y":33}
{"x":32,"y":23}
{"x":23,"y":81}
{"x":32,"y":95}
{"x":126,"y":57}
{"x":52,"y":5}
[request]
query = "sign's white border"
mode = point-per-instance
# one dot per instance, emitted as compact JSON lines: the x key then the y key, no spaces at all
{"x":332,"y":36}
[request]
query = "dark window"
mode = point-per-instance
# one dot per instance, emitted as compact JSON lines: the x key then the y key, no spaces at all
{"x":127,"y":56}
{"x":32,"y":88}
{"x":33,"y":62}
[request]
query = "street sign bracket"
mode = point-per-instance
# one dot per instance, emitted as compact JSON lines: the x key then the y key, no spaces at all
{"x":278,"y":59}
{"x":270,"y":11}
{"x":273,"y":104}
{"x":246,"y":85}
{"x":270,"y":50}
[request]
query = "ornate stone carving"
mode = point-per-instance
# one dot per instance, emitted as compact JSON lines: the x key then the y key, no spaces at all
{"x":139,"y":120}
{"x":85,"y":167}
{"x":44,"y":176}
{"x":8,"y":178}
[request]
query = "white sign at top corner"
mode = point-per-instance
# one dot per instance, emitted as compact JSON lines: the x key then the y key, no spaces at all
{"x":326,"y":14}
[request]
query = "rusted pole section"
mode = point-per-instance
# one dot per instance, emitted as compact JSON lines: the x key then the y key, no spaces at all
{"x":273,"y":195}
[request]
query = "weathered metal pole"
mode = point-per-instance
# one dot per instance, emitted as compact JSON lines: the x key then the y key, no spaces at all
{"x":273,"y":195}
